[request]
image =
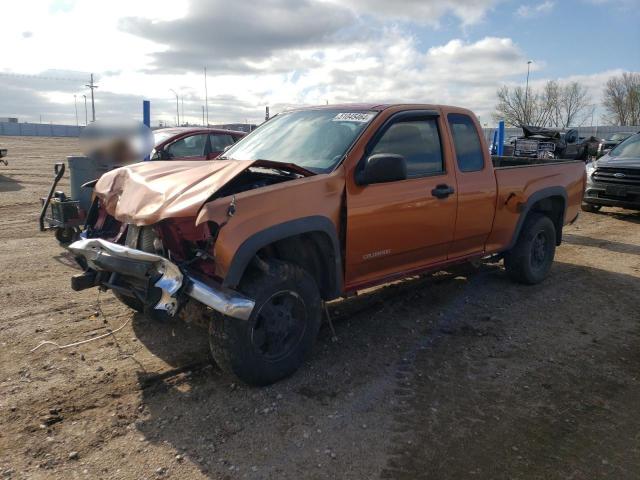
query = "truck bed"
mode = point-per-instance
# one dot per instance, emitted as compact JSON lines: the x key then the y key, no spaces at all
{"x":521,"y":180}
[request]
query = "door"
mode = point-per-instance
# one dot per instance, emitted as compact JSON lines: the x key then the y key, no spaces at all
{"x":218,"y":142}
{"x":572,"y":141}
{"x":397,"y":227}
{"x":476,"y":187}
{"x":192,"y":147}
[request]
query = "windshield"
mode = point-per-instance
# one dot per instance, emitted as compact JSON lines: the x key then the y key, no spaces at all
{"x":313,"y":139}
{"x":160,"y":136}
{"x":630,"y":148}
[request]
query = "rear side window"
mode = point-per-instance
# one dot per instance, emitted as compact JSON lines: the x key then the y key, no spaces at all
{"x":192,"y":146}
{"x":418,"y":141}
{"x":220,"y":141}
{"x":466,"y":142}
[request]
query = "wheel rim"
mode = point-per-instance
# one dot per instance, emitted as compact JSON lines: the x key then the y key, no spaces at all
{"x":280,"y":325}
{"x":539,"y":250}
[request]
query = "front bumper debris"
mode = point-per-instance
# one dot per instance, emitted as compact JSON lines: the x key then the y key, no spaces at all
{"x":103,"y":256}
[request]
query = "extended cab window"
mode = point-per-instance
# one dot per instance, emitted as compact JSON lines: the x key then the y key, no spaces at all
{"x":192,"y":146}
{"x":418,"y":141}
{"x":466,"y":142}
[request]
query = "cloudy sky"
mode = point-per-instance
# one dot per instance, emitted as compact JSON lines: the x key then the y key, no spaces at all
{"x":290,"y":52}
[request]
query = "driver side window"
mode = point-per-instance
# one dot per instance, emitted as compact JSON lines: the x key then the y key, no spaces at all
{"x":418,"y":141}
{"x":192,"y":146}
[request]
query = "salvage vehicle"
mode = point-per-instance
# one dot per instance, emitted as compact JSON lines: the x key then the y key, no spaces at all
{"x":66,"y":215}
{"x":317,"y":204}
{"x":612,"y":141}
{"x":614,"y":180}
{"x":193,"y":143}
{"x":3,"y":153}
{"x":541,"y":142}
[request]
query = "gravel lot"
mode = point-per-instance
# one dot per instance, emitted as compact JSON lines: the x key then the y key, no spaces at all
{"x":460,"y":374}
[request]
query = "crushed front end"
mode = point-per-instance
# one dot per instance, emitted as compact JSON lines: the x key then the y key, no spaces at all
{"x":161,"y":267}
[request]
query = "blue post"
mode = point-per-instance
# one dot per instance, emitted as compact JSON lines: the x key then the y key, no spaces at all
{"x":146,"y":113}
{"x":500,"y":137}
{"x":494,"y":144}
{"x":146,"y":119}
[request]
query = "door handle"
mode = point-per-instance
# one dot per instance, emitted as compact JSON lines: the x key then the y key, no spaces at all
{"x":442,"y":191}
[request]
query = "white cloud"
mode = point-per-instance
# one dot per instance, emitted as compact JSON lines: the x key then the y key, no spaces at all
{"x":528,"y":11}
{"x":426,"y":12}
{"x":292,"y":53}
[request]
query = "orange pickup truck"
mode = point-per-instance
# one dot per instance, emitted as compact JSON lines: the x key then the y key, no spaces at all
{"x":315,"y":204}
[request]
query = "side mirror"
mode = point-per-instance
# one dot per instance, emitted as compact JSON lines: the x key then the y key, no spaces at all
{"x":382,"y":168}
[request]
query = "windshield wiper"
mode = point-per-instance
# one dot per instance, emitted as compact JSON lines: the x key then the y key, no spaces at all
{"x":282,"y":166}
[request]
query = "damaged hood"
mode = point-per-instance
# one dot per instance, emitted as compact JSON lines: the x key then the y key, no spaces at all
{"x":148,"y":192}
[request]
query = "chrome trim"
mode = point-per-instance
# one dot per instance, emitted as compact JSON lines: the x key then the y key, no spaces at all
{"x":221,"y":299}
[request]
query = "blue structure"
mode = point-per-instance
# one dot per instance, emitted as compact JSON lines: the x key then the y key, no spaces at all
{"x":146,"y":113}
{"x":500,"y":149}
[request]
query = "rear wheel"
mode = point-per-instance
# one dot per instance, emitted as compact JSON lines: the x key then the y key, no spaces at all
{"x":588,"y":207}
{"x":281,"y":331}
{"x":530,"y":259}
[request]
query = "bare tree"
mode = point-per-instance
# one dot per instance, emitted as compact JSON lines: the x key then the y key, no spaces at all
{"x":554,"y":105}
{"x":574,"y":105}
{"x":622,"y":99}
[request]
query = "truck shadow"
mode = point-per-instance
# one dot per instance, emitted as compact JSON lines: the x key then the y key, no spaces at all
{"x":617,"y":247}
{"x":624,"y":215}
{"x":221,"y":426}
{"x":8,"y":184}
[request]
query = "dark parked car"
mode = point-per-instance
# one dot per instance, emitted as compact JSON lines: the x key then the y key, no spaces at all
{"x":612,"y":141}
{"x":3,"y":153}
{"x":614,"y":179}
{"x":542,"y":142}
{"x":189,"y":143}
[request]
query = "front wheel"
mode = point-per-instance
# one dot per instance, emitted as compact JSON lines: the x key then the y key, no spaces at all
{"x":530,"y":259}
{"x":279,"y":335}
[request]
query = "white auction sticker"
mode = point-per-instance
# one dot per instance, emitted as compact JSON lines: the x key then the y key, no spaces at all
{"x":362,"y":117}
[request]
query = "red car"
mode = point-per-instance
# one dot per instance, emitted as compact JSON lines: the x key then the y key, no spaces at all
{"x":192,"y":143}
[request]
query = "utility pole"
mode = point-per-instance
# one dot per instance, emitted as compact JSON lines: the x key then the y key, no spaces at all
{"x":203,"y":115}
{"x":182,"y":107}
{"x":92,"y":86}
{"x":177,"y":109}
{"x":206,"y":95}
{"x":526,"y":94}
{"x":86,"y":118}
{"x":75,"y":104}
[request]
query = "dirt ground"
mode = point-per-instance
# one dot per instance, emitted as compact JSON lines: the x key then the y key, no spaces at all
{"x":455,"y":375}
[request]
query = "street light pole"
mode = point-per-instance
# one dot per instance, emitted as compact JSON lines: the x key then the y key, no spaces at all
{"x":75,"y":104}
{"x":526,"y":94}
{"x":177,"y":108}
{"x":92,"y":86}
{"x":206,"y":95}
{"x":86,"y":117}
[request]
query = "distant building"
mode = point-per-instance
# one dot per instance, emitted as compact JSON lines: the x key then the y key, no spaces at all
{"x":238,"y":127}
{"x":8,"y":119}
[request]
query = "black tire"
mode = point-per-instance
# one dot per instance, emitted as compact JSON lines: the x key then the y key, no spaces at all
{"x":281,"y":331}
{"x":66,"y":235}
{"x":588,"y":207}
{"x":145,"y":243}
{"x":131,"y":302}
{"x":530,"y":259}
